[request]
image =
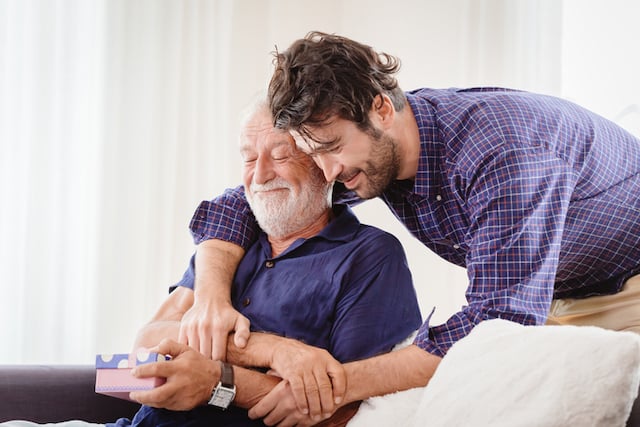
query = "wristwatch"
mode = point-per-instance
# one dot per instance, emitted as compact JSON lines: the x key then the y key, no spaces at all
{"x":223,"y":394}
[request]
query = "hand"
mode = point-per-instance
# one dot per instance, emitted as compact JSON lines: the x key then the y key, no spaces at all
{"x":206,"y":327}
{"x":317,"y":380}
{"x":279,"y":408}
{"x":190,"y":378}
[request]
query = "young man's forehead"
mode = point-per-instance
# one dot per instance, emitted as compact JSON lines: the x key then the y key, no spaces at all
{"x":311,"y":145}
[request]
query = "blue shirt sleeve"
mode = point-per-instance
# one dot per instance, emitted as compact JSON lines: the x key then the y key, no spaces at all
{"x":189,"y":277}
{"x":378,"y":307}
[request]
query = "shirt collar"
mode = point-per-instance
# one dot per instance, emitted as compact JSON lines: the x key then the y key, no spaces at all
{"x":427,"y":178}
{"x":343,"y":227}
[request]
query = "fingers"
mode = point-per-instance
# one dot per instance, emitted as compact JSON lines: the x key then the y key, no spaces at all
{"x":242,"y":332}
{"x":338,"y":383}
{"x":183,"y":333}
{"x":317,"y":381}
{"x":207,"y":330}
{"x":299,"y":390}
{"x":165,"y":396}
{"x":197,"y":334}
{"x":188,"y":377}
{"x":274,"y":406}
{"x":205,"y":341}
{"x":326,"y":395}
{"x":218,"y":350}
{"x":171,"y":348}
{"x":167,"y":347}
{"x":278,"y":408}
{"x":319,"y":395}
{"x":189,"y":334}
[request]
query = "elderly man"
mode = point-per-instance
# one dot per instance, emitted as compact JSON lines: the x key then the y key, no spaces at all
{"x":314,"y":275}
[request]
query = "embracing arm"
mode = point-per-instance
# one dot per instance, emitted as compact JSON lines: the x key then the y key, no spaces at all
{"x":223,"y":228}
{"x":165,"y":323}
{"x":400,"y":370}
{"x":207,"y":323}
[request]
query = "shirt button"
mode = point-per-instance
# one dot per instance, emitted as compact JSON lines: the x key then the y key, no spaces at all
{"x":246,"y":301}
{"x":269,"y":264}
{"x":456,"y":246}
{"x":438,"y":197}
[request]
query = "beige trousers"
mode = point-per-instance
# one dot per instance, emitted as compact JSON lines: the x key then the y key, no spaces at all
{"x":619,"y":312}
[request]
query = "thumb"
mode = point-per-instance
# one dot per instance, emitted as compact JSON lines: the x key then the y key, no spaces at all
{"x":170,"y":347}
{"x":241,"y":335}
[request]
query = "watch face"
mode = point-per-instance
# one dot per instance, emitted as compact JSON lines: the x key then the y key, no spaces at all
{"x":222,"y":397}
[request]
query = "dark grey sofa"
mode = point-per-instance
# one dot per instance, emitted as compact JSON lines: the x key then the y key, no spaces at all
{"x":59,"y":393}
{"x":45,"y":394}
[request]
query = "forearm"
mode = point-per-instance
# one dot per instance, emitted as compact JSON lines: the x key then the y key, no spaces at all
{"x":216,"y":263}
{"x":153,"y":332}
{"x":258,"y":351}
{"x":400,"y":370}
{"x":165,"y":323}
{"x":251,"y":386}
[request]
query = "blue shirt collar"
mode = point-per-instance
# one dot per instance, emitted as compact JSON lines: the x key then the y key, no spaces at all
{"x":342,"y":228}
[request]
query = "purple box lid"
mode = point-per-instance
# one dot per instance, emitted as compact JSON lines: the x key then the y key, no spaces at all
{"x":126,"y":360}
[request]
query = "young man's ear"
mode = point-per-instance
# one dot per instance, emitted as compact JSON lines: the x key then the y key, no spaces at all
{"x":382,"y":111}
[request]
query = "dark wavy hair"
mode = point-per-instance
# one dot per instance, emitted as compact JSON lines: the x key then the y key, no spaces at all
{"x":325,"y":75}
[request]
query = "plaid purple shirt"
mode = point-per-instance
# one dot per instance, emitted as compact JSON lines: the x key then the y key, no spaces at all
{"x":535,"y":196}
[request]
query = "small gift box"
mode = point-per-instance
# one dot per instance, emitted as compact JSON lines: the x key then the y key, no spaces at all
{"x":113,"y":373}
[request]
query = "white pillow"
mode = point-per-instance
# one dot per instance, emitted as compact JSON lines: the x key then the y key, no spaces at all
{"x":506,"y":374}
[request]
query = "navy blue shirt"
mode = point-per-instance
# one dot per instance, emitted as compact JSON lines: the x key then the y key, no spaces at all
{"x":347,"y":290}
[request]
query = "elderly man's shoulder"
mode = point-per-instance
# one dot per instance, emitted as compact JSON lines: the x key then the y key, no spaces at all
{"x":379,"y":241}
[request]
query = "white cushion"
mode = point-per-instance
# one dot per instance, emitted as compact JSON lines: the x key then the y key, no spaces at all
{"x":506,"y":374}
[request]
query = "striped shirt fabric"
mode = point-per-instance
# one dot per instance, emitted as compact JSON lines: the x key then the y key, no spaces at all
{"x":535,"y":196}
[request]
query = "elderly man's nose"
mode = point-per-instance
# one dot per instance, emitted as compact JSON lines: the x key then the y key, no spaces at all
{"x":263,"y":171}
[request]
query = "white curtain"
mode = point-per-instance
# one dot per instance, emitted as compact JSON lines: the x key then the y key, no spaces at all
{"x":51,"y":125}
{"x":117,"y":117}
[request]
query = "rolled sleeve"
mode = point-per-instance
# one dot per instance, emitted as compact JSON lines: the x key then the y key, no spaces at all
{"x":228,"y":217}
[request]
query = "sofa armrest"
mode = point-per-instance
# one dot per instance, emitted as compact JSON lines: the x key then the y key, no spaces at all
{"x":55,"y":393}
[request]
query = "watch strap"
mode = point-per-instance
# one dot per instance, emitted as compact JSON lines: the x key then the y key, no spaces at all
{"x":226,"y":374}
{"x":223,"y":394}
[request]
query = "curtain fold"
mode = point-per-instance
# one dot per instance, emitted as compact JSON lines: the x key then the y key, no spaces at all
{"x":51,"y":125}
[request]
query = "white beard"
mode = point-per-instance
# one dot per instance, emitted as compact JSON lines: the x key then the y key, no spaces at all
{"x":283,"y":213}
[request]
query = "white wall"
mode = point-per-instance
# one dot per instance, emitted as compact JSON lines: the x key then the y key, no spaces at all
{"x":601,"y":59}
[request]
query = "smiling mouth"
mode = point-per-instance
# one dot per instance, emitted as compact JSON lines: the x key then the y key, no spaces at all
{"x":350,"y":180}
{"x":268,"y":192}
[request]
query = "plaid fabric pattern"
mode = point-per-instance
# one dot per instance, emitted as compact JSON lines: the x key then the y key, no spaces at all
{"x":228,"y":217}
{"x":532,"y":194}
{"x":535,"y":196}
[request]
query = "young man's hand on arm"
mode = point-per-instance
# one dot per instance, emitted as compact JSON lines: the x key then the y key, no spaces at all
{"x":316,"y":379}
{"x":207,"y":324}
{"x":400,"y":370}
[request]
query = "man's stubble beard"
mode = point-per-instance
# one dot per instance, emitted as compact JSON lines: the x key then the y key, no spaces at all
{"x":383,"y":166}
